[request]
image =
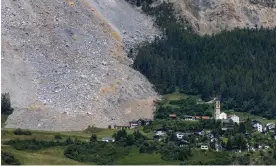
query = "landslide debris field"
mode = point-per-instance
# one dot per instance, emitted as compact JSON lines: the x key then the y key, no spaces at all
{"x":64,"y":63}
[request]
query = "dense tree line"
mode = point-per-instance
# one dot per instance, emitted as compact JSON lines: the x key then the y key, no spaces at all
{"x":34,"y":144}
{"x":239,"y":66}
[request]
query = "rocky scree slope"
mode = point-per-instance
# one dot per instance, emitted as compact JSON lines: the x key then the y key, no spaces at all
{"x":64,"y":64}
{"x":212,"y":16}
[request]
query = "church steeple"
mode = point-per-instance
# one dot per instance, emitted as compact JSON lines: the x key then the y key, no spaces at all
{"x":217,"y":110}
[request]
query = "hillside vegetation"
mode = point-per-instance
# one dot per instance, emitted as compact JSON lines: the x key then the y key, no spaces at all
{"x":239,"y":66}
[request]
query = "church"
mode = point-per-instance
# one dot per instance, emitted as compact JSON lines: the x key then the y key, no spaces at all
{"x":222,"y":115}
{"x":219,"y":115}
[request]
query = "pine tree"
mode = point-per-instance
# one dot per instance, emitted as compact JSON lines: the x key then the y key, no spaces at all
{"x":6,"y":104}
{"x":242,"y":128}
{"x":93,"y":138}
{"x":229,"y":144}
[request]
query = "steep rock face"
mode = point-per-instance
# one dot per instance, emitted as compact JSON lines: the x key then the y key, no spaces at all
{"x":266,"y":3}
{"x":212,"y":16}
{"x":64,"y":65}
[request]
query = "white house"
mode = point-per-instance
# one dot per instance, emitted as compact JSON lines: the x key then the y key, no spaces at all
{"x":179,"y":135}
{"x":160,"y":132}
{"x":133,"y":124}
{"x":204,"y":147}
{"x":222,"y":115}
{"x":235,"y":118}
{"x":270,"y":126}
{"x":258,"y":126}
{"x":189,"y":117}
{"x":108,"y":139}
{"x":214,"y":140}
{"x":266,"y":147}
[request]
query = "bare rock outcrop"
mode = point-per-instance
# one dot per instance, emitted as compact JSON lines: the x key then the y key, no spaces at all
{"x":212,"y":16}
{"x":64,"y":64}
{"x":266,"y":3}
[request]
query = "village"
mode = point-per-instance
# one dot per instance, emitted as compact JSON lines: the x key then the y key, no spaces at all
{"x":206,"y":139}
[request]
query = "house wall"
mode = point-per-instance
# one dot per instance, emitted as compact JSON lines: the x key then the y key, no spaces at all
{"x":223,"y":116}
{"x":235,"y":119}
{"x":259,"y":127}
{"x":204,"y":147}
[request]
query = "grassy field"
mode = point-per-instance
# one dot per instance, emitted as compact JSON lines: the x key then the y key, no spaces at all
{"x":136,"y":158}
{"x":53,"y":156}
{"x":202,"y":156}
{"x":175,"y":96}
{"x":7,"y":134}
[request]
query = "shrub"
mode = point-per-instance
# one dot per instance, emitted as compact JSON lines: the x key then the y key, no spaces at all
{"x":58,"y":136}
{"x":22,"y":132}
{"x":92,"y":129}
{"x":93,"y":138}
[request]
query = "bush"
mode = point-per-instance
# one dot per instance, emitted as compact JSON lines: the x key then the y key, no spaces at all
{"x":68,"y":140}
{"x":93,"y":138}
{"x":22,"y":132}
{"x":101,"y":153}
{"x":92,"y":129}
{"x":58,"y":136}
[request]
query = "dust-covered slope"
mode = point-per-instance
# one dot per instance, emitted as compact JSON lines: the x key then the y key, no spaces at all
{"x":212,"y":16}
{"x":62,"y":63}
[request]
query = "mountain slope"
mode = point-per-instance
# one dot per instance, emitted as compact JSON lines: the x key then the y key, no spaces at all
{"x":64,"y":66}
{"x":212,"y":16}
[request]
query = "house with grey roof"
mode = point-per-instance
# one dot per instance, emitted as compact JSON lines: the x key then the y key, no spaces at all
{"x":108,"y":139}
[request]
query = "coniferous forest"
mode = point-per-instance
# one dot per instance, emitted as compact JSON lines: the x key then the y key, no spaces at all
{"x":238,"y":66}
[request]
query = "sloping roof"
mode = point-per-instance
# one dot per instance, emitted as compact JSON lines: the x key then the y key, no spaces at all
{"x":145,"y":119}
{"x":202,"y":117}
{"x":122,"y":125}
{"x":233,"y":115}
{"x":205,"y":117}
{"x":108,"y":138}
{"x":172,"y":115}
{"x":227,"y":120}
{"x":188,"y":116}
{"x":178,"y":132}
{"x":133,"y":121}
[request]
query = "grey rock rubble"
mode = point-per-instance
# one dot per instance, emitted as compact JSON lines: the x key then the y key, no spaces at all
{"x":133,"y":26}
{"x":62,"y":63}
